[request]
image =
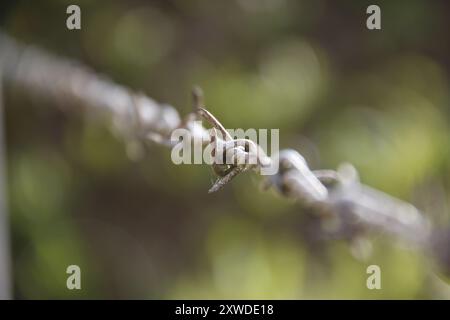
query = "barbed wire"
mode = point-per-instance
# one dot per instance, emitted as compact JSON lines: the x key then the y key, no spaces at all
{"x":335,"y":194}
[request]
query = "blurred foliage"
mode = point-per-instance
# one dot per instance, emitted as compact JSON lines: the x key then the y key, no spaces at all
{"x":148,"y":229}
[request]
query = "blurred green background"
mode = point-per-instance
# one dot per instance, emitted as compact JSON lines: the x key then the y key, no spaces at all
{"x":148,"y":229}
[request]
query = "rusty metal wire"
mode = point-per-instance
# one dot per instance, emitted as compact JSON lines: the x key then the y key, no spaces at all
{"x":331,"y":193}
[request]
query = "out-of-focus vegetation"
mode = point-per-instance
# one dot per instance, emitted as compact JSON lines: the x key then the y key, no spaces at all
{"x":148,"y":229}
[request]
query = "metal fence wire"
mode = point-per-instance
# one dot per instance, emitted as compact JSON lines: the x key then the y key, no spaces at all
{"x":335,"y":194}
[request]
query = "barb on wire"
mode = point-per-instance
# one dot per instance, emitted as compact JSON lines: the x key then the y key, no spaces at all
{"x":226,"y":172}
{"x":232,"y":156}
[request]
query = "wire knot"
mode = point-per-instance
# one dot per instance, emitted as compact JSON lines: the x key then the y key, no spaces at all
{"x":295,"y":179}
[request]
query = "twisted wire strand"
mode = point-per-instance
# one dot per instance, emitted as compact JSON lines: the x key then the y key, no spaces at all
{"x":136,"y":116}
